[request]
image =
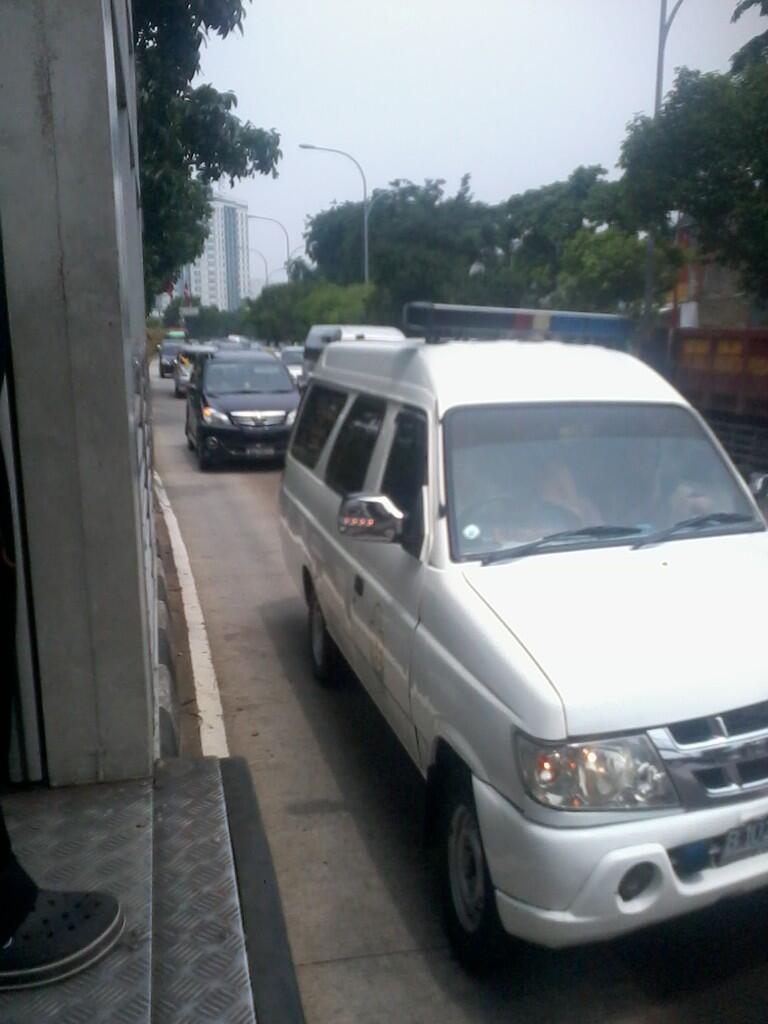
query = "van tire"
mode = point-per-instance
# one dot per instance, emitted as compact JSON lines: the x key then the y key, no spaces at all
{"x":467,"y":897}
{"x":323,"y":652}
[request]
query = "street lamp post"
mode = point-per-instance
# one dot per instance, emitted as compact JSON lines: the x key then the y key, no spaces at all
{"x":342,"y":152}
{"x":264,"y":261}
{"x":272,"y":220}
{"x":665,"y":24}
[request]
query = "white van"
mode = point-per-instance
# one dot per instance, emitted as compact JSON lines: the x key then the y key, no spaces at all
{"x":551,"y":580}
{"x":321,"y":335}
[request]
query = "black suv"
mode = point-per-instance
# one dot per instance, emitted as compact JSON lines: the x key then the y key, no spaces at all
{"x":240,"y":405}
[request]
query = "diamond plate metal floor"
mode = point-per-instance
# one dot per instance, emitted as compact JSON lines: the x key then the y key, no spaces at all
{"x":165,"y":851}
{"x":90,"y":837}
{"x":200,"y":971}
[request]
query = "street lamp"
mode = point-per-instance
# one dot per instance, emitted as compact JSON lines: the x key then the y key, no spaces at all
{"x":264,"y":261}
{"x":286,"y":268}
{"x":376,"y":197}
{"x":665,"y":24}
{"x":272,"y":220}
{"x":341,"y":152}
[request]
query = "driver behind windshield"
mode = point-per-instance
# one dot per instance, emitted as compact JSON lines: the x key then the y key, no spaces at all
{"x":518,"y":474}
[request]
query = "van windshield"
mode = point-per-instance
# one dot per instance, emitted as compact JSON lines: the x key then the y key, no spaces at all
{"x":517,"y":474}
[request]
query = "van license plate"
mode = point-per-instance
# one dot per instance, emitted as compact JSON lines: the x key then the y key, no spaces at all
{"x":260,"y":449}
{"x":744,"y":841}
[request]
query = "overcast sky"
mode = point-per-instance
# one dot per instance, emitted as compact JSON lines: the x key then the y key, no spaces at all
{"x":517,"y":92}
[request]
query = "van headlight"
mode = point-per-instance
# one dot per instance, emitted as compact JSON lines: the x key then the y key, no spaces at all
{"x":620,"y":774}
{"x":290,"y":419}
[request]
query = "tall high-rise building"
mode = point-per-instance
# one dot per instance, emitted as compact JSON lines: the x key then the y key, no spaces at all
{"x":220,"y":276}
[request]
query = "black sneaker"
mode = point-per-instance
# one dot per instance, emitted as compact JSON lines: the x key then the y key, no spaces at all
{"x":64,"y":933}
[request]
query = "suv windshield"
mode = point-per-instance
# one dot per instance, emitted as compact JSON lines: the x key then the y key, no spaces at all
{"x":292,"y":356}
{"x":245,"y":376}
{"x":517,"y":474}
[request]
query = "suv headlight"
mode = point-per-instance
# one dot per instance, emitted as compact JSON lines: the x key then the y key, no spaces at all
{"x":290,"y":419}
{"x":214,"y":416}
{"x":620,"y":774}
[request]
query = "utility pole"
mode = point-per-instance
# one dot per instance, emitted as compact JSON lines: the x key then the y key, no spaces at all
{"x":665,"y":24}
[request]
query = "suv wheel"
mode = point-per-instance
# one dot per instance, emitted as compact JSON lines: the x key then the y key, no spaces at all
{"x":323,"y":651}
{"x":467,"y":897}
{"x":204,"y":460}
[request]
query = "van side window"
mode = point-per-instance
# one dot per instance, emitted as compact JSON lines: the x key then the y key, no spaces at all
{"x":406,"y":474}
{"x":354,"y":446}
{"x":319,"y":413}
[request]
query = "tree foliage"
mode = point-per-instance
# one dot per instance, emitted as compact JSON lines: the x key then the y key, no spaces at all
{"x":756,"y":50}
{"x":285,"y":312}
{"x":605,"y":270}
{"x":188,"y":138}
{"x":707,"y":156}
{"x":210,"y":322}
{"x":451,"y":248}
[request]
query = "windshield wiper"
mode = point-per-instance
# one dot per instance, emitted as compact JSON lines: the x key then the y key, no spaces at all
{"x":594,"y":532}
{"x":696,"y":523}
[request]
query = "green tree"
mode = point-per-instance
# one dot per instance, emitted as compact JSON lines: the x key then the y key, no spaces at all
{"x":210,"y":321}
{"x":275,"y":315}
{"x":707,"y":156}
{"x":542,"y":220}
{"x":756,"y":50}
{"x":422,"y":241}
{"x":427,"y":245}
{"x":285,"y":312}
{"x":603,"y":271}
{"x":188,"y":138}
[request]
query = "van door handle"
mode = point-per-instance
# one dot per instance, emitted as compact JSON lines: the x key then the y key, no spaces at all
{"x":359,"y":586}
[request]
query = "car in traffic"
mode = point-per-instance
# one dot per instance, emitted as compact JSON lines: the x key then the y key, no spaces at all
{"x":240,"y":405}
{"x":185,"y":361}
{"x":293,"y":358}
{"x":550,"y":578}
{"x":166,"y":355}
{"x":321,"y":335}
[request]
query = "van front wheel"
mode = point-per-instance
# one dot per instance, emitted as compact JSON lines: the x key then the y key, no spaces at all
{"x":322,"y":649}
{"x":468,"y":900}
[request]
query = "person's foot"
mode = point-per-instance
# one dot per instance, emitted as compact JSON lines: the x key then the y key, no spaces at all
{"x":64,"y":933}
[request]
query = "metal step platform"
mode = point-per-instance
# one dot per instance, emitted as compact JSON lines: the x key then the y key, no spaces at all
{"x":204,"y":941}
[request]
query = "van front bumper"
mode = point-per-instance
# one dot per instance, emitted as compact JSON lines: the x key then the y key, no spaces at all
{"x":560,"y":886}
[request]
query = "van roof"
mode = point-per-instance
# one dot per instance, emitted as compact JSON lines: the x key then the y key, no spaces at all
{"x":351,"y":331}
{"x":483,"y":372}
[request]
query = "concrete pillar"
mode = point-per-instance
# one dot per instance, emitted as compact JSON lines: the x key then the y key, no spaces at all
{"x":70,"y":223}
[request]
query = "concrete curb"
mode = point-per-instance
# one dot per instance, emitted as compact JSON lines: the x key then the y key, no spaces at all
{"x":166,"y":693}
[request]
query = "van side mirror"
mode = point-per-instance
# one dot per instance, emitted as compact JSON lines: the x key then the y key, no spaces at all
{"x":371,"y":517}
{"x":758,"y":484}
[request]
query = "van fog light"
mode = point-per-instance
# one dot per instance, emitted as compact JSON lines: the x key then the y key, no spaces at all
{"x":211,"y":443}
{"x":636,"y":881}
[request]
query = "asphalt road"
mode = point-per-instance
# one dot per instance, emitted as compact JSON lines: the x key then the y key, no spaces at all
{"x":342,"y":808}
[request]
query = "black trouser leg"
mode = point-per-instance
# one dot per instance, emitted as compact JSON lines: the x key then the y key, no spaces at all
{"x":17,"y":890}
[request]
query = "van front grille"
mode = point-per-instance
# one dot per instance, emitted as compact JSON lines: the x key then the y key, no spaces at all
{"x":717,"y":758}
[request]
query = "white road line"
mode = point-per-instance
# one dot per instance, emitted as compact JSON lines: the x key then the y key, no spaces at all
{"x":213,"y":738}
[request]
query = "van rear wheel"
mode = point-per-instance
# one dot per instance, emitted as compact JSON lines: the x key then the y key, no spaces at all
{"x":468,"y":900}
{"x":323,"y":651}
